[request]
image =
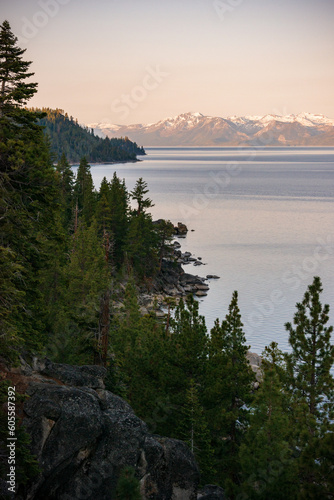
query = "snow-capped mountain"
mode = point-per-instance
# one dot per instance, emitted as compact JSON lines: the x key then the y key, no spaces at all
{"x":195,"y":129}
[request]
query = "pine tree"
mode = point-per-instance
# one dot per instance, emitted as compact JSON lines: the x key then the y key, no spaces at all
{"x":165,"y":233}
{"x":128,"y":485}
{"x":14,"y":91}
{"x":138,"y":194}
{"x":87,"y":277}
{"x":269,"y":469}
{"x":312,"y":355}
{"x":28,"y":188}
{"x":66,"y":181}
{"x":185,"y":358}
{"x":312,"y":385}
{"x":141,"y":246}
{"x":84,"y":192}
{"x":119,"y":205}
{"x":11,"y":298}
{"x":229,"y":384}
{"x":193,"y":429}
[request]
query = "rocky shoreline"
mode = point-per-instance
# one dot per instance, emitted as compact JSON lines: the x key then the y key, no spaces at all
{"x":173,"y":282}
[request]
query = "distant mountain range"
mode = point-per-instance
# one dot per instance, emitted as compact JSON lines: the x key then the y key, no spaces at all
{"x":195,"y":129}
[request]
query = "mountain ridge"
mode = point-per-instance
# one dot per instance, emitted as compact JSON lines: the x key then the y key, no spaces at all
{"x":196,"y":129}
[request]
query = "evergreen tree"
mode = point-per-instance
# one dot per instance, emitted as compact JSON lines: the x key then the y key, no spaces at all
{"x":14,"y":90}
{"x":312,"y":385}
{"x":165,"y":233}
{"x":269,"y":468}
{"x":128,"y":485}
{"x":11,"y":298}
{"x":229,"y":384}
{"x":67,"y":136}
{"x":66,"y":191}
{"x":28,"y":189}
{"x":312,"y":356}
{"x":193,"y":429}
{"x":84,"y":192}
{"x":138,"y":194}
{"x":138,"y":344}
{"x":119,"y":206}
{"x":141,"y":246}
{"x":185,"y":359}
{"x":87,"y":278}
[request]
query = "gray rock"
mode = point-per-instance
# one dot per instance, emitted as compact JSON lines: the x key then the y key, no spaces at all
{"x":181,"y":229}
{"x":255,"y":362}
{"x":84,"y":437}
{"x":211,"y":492}
{"x":89,"y":376}
{"x":190,"y":279}
{"x":202,"y":287}
{"x":254,"y":359}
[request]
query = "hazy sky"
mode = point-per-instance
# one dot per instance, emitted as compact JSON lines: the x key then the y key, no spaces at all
{"x":138,"y":61}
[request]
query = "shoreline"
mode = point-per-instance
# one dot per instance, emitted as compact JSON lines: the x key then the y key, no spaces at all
{"x":76,"y":164}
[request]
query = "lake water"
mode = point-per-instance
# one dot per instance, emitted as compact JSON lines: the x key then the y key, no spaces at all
{"x":263,"y":221}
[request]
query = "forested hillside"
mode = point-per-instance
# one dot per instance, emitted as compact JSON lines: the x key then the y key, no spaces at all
{"x":72,"y":260}
{"x":68,"y":137}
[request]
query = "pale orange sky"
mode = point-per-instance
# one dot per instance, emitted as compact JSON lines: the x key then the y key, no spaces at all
{"x":128,"y":61}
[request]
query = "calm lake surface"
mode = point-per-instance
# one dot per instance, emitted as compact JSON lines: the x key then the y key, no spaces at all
{"x":263,"y":221}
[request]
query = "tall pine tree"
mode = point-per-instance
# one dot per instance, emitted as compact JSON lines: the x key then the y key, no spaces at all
{"x":312,"y":385}
{"x":229,"y":386}
{"x":29,"y":193}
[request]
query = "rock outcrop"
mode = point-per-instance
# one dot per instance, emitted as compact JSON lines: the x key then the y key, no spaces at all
{"x":211,"y":492}
{"x":83,"y":436}
{"x":255,"y":362}
{"x":181,"y":229}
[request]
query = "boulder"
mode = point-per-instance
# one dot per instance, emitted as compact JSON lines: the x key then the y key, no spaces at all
{"x":255,"y":362}
{"x":211,"y":492}
{"x":89,"y":376}
{"x":190,"y":279}
{"x":84,"y":436}
{"x":181,"y":229}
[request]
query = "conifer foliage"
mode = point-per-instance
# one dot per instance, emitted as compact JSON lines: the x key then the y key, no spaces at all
{"x":29,"y":197}
{"x":71,"y":252}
